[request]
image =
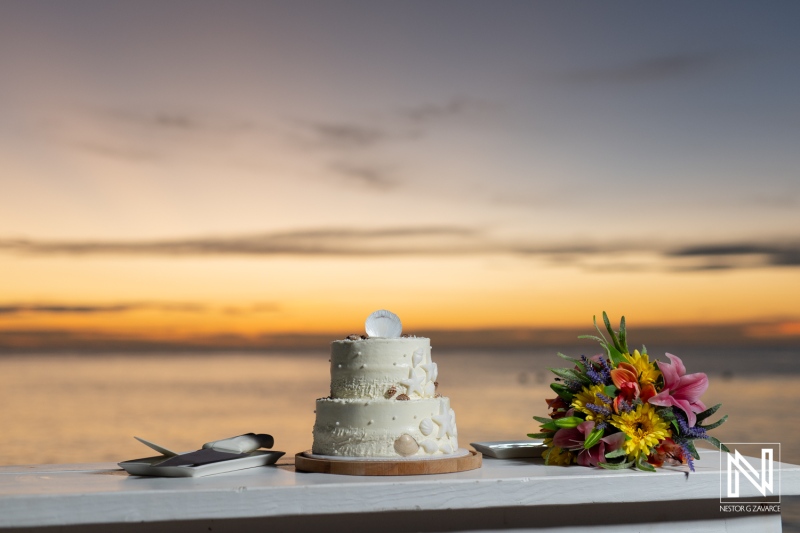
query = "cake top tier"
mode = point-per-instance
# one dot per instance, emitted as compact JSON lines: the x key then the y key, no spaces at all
{"x":371,"y":368}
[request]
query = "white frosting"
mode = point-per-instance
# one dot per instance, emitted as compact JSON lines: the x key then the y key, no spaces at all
{"x":364,"y":417}
{"x":368,"y":368}
{"x":356,"y":428}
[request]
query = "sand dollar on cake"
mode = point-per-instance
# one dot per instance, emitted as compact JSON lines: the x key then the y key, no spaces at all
{"x":384,"y":401}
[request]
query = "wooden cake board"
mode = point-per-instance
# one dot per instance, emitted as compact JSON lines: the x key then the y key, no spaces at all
{"x":303,"y":463}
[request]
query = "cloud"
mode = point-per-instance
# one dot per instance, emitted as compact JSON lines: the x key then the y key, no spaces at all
{"x":118,"y":151}
{"x":259,"y":308}
{"x":172,"y":120}
{"x":327,"y":241}
{"x":344,"y":135}
{"x":726,"y":249}
{"x":368,"y":175}
{"x":10,"y":309}
{"x":744,"y":253}
{"x":431,"y":112}
{"x":82,"y":309}
{"x":654,"y":69}
{"x":406,"y":123}
{"x":437,"y":241}
{"x":132,"y":134}
{"x":355,"y":149}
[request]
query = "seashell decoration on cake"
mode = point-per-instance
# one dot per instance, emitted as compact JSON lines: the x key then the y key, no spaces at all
{"x":383,"y":400}
{"x":426,"y":427}
{"x":383,"y":324}
{"x":405,"y":445}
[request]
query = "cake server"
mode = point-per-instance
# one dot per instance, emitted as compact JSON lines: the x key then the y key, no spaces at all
{"x":213,"y":452}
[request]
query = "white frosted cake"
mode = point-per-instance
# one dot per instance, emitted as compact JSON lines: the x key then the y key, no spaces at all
{"x":383,"y":401}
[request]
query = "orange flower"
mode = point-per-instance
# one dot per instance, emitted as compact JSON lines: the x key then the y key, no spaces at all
{"x":648,"y":391}
{"x":626,"y":380}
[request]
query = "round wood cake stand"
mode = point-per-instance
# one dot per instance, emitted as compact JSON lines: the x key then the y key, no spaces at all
{"x":449,"y":465}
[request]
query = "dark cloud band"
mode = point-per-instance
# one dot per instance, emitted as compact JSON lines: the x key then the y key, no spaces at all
{"x":73,"y":309}
{"x":435,"y":241}
{"x":327,"y":241}
{"x":10,"y":309}
{"x":653,"y":69}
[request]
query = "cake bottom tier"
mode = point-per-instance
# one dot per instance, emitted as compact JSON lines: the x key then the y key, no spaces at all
{"x":385,"y":428}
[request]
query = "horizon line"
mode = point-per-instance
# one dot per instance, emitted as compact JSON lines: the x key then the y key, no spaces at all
{"x":772,"y":333}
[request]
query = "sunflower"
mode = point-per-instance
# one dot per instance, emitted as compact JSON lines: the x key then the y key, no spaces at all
{"x":588,"y":395}
{"x":641,"y":362}
{"x":643,"y":429}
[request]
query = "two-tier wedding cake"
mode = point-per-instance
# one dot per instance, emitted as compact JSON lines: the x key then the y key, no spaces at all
{"x":383,"y":400}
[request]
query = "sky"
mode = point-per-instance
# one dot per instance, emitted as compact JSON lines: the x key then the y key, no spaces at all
{"x":192,"y":171}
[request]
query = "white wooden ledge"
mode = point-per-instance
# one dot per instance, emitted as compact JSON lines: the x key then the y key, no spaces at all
{"x":515,"y":494}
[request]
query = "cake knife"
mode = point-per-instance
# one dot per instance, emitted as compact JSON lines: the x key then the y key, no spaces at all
{"x":213,"y":452}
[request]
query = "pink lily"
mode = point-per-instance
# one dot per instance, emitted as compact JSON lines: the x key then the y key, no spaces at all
{"x":573,"y":439}
{"x":681,"y":390}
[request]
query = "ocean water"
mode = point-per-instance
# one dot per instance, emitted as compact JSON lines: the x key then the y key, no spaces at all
{"x":87,"y":408}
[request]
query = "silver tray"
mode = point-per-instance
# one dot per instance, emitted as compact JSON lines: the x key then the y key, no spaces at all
{"x":510,"y":449}
{"x":145,"y":466}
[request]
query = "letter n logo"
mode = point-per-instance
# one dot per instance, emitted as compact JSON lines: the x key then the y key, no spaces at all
{"x":762,"y":481}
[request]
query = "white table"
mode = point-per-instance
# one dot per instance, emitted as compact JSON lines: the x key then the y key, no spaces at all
{"x":504,"y":495}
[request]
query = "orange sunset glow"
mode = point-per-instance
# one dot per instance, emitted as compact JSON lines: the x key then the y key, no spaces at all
{"x":188,"y":175}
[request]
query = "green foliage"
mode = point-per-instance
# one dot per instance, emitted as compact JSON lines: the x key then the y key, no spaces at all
{"x":718,"y":444}
{"x":623,"y":340}
{"x":593,"y":438}
{"x":571,"y":375}
{"x":562,"y":391}
{"x":708,"y":412}
{"x":692,"y":449}
{"x":666,"y":413}
{"x":716,"y":424}
{"x":577,"y":362}
{"x":642,"y":464}
{"x":619,"y":452}
{"x":550,"y":426}
{"x":568,"y":422}
{"x":610,"y":330}
{"x":540,"y":435}
{"x":613,"y":349}
{"x":616,"y":466}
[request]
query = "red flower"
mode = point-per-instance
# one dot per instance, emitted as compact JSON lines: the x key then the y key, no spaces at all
{"x":668,"y":451}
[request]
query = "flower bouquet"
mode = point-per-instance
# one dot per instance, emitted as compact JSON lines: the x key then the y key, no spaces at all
{"x":623,"y":411}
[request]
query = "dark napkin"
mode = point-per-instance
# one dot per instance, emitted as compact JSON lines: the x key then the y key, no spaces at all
{"x":200,"y":457}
